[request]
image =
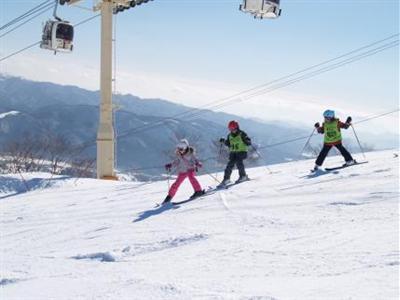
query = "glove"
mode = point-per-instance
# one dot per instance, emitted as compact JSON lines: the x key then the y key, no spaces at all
{"x":199,"y":164}
{"x":316,"y":125}
{"x":222,"y":140}
{"x":349,"y":119}
{"x":168,"y":167}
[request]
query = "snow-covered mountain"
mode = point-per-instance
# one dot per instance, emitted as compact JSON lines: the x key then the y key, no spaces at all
{"x":283,"y":235}
{"x":73,"y":112}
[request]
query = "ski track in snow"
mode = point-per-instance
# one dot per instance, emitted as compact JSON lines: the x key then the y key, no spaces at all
{"x":284,"y":235}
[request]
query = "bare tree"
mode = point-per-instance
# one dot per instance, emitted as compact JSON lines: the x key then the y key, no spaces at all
{"x":59,"y":149}
{"x":25,"y":154}
{"x":53,"y":153}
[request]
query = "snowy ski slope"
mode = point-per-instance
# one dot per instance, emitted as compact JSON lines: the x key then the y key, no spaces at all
{"x":283,"y":235}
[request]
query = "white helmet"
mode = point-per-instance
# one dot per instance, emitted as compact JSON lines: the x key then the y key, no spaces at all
{"x":329,"y":114}
{"x":183,"y":144}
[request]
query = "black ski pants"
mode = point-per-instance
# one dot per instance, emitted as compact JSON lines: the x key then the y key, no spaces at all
{"x":235,"y":158}
{"x":325,"y":150}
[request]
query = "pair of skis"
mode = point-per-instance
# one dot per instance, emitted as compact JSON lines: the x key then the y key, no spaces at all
{"x":342,"y":167}
{"x":209,"y":191}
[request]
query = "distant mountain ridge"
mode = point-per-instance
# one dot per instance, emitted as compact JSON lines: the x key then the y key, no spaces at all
{"x":71,"y":111}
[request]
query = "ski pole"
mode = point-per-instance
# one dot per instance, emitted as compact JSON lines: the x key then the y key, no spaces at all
{"x":308,"y":141}
{"x":358,"y":141}
{"x":212,"y":176}
{"x":218,"y":159}
{"x":169,"y":174}
{"x":260,"y":156}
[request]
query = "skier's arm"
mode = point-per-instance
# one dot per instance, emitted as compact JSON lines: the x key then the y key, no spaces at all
{"x":343,"y":125}
{"x":172,"y":164}
{"x":320,"y":129}
{"x":196,"y":162}
{"x":225,"y":141}
{"x":246,"y":138}
{"x":347,"y":124}
{"x":175,"y":162}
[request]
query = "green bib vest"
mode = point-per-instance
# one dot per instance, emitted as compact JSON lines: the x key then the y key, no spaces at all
{"x":236,"y":144}
{"x":332,"y":132}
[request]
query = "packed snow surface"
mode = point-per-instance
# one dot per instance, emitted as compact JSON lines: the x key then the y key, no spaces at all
{"x":282,"y":235}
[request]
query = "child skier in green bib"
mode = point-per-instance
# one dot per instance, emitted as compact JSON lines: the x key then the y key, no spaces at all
{"x":238,"y":142}
{"x":332,"y":138}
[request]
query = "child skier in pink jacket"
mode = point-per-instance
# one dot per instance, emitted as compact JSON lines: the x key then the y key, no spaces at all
{"x":186,"y":165}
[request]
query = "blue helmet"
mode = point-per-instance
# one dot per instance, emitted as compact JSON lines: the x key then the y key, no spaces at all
{"x":329,"y":114}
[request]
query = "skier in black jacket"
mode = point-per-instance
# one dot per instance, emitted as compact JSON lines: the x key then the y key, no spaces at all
{"x":238,"y":143}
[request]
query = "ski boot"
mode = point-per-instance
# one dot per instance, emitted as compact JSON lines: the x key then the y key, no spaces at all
{"x":224,"y":183}
{"x":315,"y":169}
{"x":197,"y":194}
{"x":166,"y":200}
{"x":349,"y":163}
{"x":242,"y":178}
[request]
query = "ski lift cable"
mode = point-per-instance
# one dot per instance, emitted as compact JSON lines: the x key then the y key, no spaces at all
{"x":87,"y":20}
{"x":47,"y":8}
{"x":306,"y":76}
{"x":312,"y":74}
{"x":74,"y":5}
{"x":19,"y":51}
{"x":213,"y":103}
{"x":302,"y":71}
{"x":281,"y":85}
{"x":37,"y":43}
{"x":198,"y":111}
{"x":377,"y":116}
{"x":326,"y":69}
{"x":27,"y":14}
{"x":303,"y":77}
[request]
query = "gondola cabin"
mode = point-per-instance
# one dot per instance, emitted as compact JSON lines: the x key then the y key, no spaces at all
{"x":262,"y":8}
{"x":57,"y":36}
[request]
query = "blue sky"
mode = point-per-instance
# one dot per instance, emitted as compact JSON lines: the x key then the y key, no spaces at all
{"x":211,"y":41}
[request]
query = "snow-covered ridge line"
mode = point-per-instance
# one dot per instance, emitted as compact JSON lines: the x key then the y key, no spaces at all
{"x":10,"y":113}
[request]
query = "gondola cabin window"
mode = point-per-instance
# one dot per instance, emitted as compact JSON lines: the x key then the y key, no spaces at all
{"x":65,"y":32}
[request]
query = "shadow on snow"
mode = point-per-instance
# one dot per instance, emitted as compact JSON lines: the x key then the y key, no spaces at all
{"x":155,"y":211}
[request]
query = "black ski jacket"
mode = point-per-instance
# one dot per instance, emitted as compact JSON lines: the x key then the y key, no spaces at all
{"x":243,"y":135}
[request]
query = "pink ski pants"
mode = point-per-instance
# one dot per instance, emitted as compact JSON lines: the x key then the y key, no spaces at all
{"x":181,"y":177}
